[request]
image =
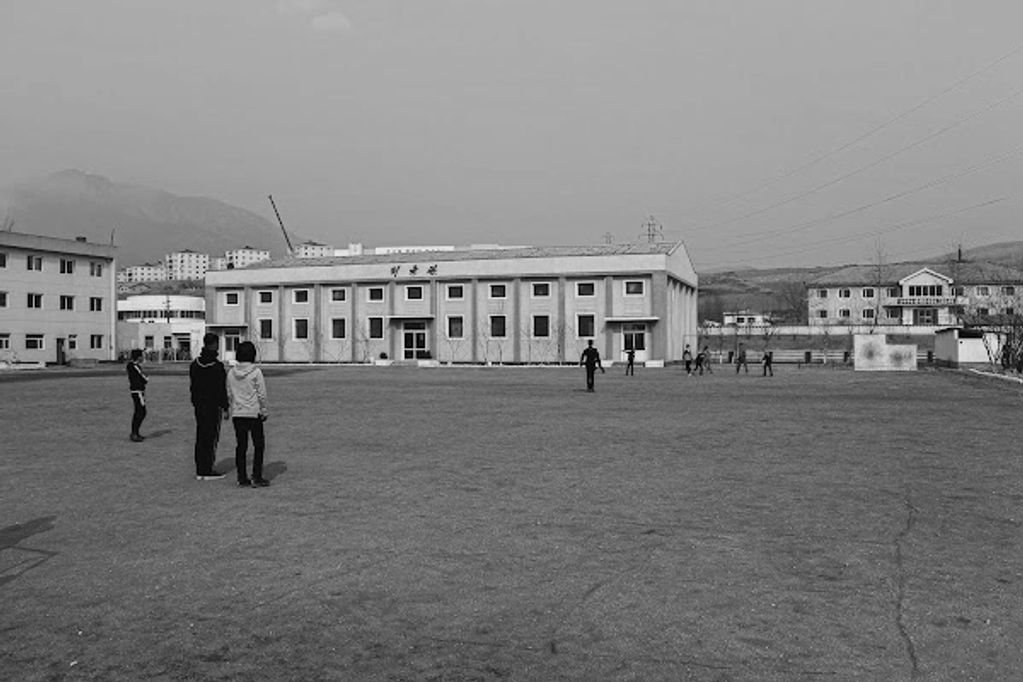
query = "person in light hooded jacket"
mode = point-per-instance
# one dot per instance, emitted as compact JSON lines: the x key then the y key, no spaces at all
{"x":246,"y":392}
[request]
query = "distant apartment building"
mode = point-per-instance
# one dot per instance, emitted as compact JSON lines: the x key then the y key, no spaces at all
{"x":311,"y":249}
{"x":56,"y":299}
{"x":147,"y":272}
{"x":245,"y":256}
{"x":171,"y":326}
{"x":746,"y":318}
{"x":186,"y":264}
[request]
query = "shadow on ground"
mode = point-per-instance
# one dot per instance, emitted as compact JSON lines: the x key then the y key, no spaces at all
{"x":11,"y":539}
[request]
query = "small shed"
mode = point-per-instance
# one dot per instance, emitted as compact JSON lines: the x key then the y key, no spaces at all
{"x":961,"y":347}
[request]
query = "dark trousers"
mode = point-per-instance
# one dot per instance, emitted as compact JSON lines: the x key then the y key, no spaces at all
{"x":207,"y":434}
{"x":768,"y":370}
{"x":139,"y":400}
{"x":243,"y":426}
{"x":630,"y":369}
{"x":590,"y":371}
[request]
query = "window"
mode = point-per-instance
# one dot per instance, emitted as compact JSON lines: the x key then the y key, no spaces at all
{"x":455,"y":292}
{"x":983,"y":291}
{"x":95,"y":269}
{"x":413,"y":292}
{"x":96,"y":341}
{"x":231,"y":298}
{"x":740,"y":320}
{"x":868,"y":314}
{"x":376,"y":327}
{"x":67,"y":302}
{"x":926,"y":290}
{"x":266,"y":329}
{"x":822,"y":293}
{"x":844,"y":312}
{"x":5,"y":341}
{"x":455,"y":327}
{"x":34,"y":263}
{"x":231,"y":339}
{"x":72,"y":342}
{"x":149,"y":342}
{"x":541,"y":326}
{"x":3,"y":260}
{"x":376,"y":294}
{"x":300,"y":296}
{"x":982,"y":311}
{"x":96,"y":304}
{"x":300,"y":325}
{"x":266,"y":297}
{"x":34,"y":300}
{"x":34,"y":342}
{"x":893,"y":314}
{"x":541,"y":289}
{"x":585,"y":325}
{"x":894,"y":292}
{"x":822,"y":314}
{"x":338,"y":295}
{"x":584,"y":289}
{"x":958,"y":291}
{"x":497,"y":326}
{"x":1010,"y":312}
{"x":867,"y":293}
{"x":3,"y":299}
{"x":1009,"y":291}
{"x":634,"y":288}
{"x":844,"y":293}
{"x":67,"y":266}
{"x":498,"y":291}
{"x":168,"y":343}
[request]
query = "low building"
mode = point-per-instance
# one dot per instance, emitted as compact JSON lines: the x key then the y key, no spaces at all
{"x":745,"y":318}
{"x":523,"y":305}
{"x":56,"y":299}
{"x":311,"y":249}
{"x":168,"y":327}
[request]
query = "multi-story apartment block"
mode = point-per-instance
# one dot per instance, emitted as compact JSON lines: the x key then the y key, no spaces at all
{"x":244,"y":257}
{"x":147,"y":272}
{"x":56,"y":299}
{"x":532,"y":304}
{"x":186,"y":264}
{"x":311,"y":249}
{"x":919,"y":294}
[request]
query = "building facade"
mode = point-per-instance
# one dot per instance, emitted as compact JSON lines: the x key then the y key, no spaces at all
{"x":186,"y":264}
{"x":244,"y":257}
{"x":524,"y":305}
{"x":311,"y":249}
{"x":169,"y":326}
{"x":147,"y":272}
{"x":57,"y":299}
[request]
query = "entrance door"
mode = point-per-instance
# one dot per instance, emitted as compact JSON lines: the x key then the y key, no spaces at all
{"x":61,"y":354}
{"x":925,"y":316}
{"x":414,"y":340}
{"x":634,"y":338}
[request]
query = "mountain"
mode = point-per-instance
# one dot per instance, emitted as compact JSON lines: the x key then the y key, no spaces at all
{"x":146,"y":223}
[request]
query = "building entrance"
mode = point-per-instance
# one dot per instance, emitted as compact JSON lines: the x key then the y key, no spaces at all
{"x":634,"y":338}
{"x":414,"y":341}
{"x":925,"y":316}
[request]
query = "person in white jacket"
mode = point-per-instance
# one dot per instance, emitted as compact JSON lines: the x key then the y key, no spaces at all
{"x":246,"y":393}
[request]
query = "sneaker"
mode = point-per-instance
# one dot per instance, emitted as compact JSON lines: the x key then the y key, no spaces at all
{"x":137,"y":438}
{"x":260,"y":483}
{"x":244,"y":482}
{"x":209,"y":477}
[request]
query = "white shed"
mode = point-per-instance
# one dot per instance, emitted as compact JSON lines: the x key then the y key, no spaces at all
{"x":957,"y":347}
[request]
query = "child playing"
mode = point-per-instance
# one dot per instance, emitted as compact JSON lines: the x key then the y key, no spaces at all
{"x":246,"y":392}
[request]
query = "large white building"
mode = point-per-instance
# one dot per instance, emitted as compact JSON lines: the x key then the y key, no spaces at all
{"x":244,"y":257}
{"x":147,"y":272}
{"x":170,"y":326}
{"x":186,"y":264}
{"x":56,"y":299}
{"x":519,"y":305}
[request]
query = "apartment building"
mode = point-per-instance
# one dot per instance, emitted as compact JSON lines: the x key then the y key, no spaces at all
{"x":186,"y":264}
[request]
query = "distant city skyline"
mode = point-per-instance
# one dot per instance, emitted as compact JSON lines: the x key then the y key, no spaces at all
{"x":764,"y":134}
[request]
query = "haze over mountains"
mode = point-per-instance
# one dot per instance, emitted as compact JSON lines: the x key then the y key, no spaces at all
{"x":146,"y":223}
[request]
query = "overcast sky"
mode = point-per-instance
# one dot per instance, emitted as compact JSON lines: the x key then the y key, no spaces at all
{"x":542,"y":121}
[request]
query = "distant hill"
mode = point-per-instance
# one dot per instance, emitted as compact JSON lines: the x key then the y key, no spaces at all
{"x":147,"y":223}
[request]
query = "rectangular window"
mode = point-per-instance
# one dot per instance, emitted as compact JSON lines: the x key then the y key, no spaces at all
{"x":34,"y":263}
{"x":844,"y":293}
{"x":926,"y":290}
{"x":96,"y":341}
{"x":266,"y":329}
{"x":231,"y":298}
{"x":1010,"y":311}
{"x":497,"y":326}
{"x":455,"y":327}
{"x":585,"y":289}
{"x":822,"y":293}
{"x":868,"y":314}
{"x":67,"y":302}
{"x":95,"y":269}
{"x":541,"y":289}
{"x":822,"y":314}
{"x":67,"y":266}
{"x":983,"y":291}
{"x":413,"y":293}
{"x":5,"y":341}
{"x":301,"y":327}
{"x":3,"y":259}
{"x":844,"y":312}
{"x":541,"y":326}
{"x":34,"y":342}
{"x":3,"y":299}
{"x":634,"y":288}
{"x":168,"y":343}
{"x":376,"y":327}
{"x":95,"y":304}
{"x":867,"y":293}
{"x":498,"y":291}
{"x":72,"y":342}
{"x":337,"y":328}
{"x":266,"y":297}
{"x":894,"y":292}
{"x":338,"y":295}
{"x":982,"y":311}
{"x":300,"y":296}
{"x":893,"y":314}
{"x":585,"y":326}
{"x":456,"y":292}
{"x":149,"y":342}
{"x":375,"y":294}
{"x":1009,"y":291}
{"x":34,"y":300}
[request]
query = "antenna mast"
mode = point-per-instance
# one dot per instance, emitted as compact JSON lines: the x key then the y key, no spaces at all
{"x":652,"y":230}
{"x":280,"y":222}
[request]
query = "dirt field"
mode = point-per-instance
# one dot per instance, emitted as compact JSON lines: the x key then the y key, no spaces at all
{"x":503,"y":524}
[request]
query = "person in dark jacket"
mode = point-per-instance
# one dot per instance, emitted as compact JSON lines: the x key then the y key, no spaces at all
{"x":207,"y":383}
{"x":137,"y":381}
{"x":591,"y":359}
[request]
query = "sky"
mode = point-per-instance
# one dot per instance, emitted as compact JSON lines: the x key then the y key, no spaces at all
{"x":761,"y":133}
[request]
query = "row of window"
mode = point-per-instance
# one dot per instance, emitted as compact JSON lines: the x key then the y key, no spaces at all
{"x":66,"y":301}
{"x":67,"y":265}
{"x":497,"y":327}
{"x":921,"y":290}
{"x":454,"y":292}
{"x":866,"y":313}
{"x":160,"y":314}
{"x":38,"y":342}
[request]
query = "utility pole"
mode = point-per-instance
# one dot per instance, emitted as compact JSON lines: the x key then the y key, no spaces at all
{"x":280,"y":222}
{"x":652,"y":230}
{"x":609,"y":238}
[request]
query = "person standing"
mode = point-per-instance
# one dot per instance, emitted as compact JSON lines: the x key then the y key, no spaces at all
{"x":687,"y":357}
{"x":591,"y":359}
{"x":630,"y":366}
{"x":767,"y":361}
{"x":207,"y":384}
{"x":706,"y":360}
{"x":137,"y":381}
{"x":246,"y":391}
{"x":740,"y":359}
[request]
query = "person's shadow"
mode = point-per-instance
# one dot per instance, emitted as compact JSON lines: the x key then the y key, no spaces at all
{"x":11,"y":538}
{"x":271,"y":470}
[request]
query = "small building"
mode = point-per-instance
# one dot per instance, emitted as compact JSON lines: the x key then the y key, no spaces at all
{"x":311,"y":249}
{"x":169,"y":327}
{"x":745,"y":318}
{"x":56,"y":299}
{"x":959,"y":347}
{"x":147,"y":272}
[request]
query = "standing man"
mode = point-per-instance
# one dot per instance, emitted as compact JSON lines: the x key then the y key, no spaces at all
{"x":137,"y":385}
{"x":207,"y":383}
{"x":706,"y":360}
{"x":630,"y":367}
{"x":687,"y":357}
{"x":740,"y":359}
{"x":767,"y":361}
{"x":591,"y":359}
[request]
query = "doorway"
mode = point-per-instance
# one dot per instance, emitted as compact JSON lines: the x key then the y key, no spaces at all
{"x":61,"y":352}
{"x":414,"y":341}
{"x":634,"y":338}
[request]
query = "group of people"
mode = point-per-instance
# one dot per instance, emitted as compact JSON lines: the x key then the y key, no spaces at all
{"x":702,"y":361}
{"x":217,"y":394}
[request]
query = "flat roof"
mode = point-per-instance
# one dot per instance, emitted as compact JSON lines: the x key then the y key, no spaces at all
{"x":36,"y":242}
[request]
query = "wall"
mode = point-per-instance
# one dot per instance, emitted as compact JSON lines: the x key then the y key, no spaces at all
{"x":873,"y":354}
